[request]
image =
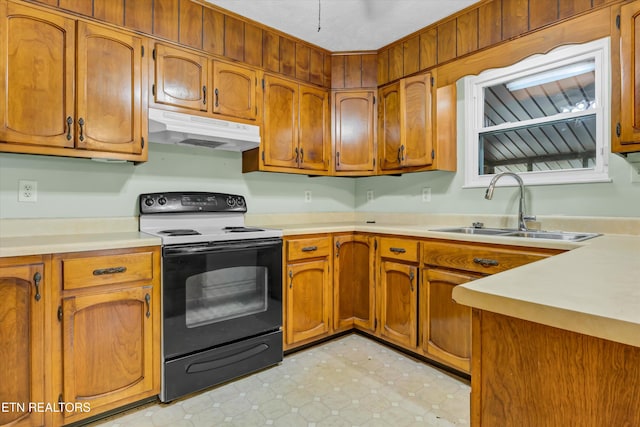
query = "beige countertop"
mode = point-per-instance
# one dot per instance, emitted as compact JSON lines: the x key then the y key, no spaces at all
{"x":593,"y":288}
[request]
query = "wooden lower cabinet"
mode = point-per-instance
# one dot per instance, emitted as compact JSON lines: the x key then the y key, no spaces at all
{"x":445,"y":325}
{"x":108,"y":318}
{"x":399,"y":303}
{"x":354,"y":282}
{"x":308,"y":290}
{"x":528,"y":375}
{"x":24,"y":294}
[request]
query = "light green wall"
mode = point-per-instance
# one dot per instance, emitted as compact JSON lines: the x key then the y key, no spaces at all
{"x":84,"y":188}
{"x":619,"y":198}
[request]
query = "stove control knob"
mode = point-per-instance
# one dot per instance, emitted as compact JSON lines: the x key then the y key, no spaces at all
{"x":162,"y":201}
{"x":240,"y":201}
{"x":231,"y":202}
{"x":148,"y":201}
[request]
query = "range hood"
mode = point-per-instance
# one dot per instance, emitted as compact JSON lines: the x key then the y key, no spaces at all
{"x":169,"y":127}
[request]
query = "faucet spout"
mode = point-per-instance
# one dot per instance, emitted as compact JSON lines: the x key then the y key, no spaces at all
{"x":522,"y":226}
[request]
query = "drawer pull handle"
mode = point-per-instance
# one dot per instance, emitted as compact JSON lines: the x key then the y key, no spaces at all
{"x":147,"y":299}
{"x":486,"y":262}
{"x":398,"y":250}
{"x":36,"y":282}
{"x":309,"y":248}
{"x":111,"y":270}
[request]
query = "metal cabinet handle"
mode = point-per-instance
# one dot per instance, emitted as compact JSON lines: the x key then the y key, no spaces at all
{"x":337,"y":249}
{"x":486,"y":262}
{"x":291,"y":279}
{"x":398,"y":250}
{"x":36,"y":282}
{"x":309,"y":248}
{"x":81,"y":123}
{"x":69,"y":123}
{"x":402,"y":153}
{"x":110,"y":270}
{"x":147,"y":299}
{"x":297,"y":154}
{"x":338,"y":158}
{"x":411,"y":277}
{"x":217,"y":95}
{"x":302,"y":155}
{"x":204,"y":95}
{"x":399,"y":160}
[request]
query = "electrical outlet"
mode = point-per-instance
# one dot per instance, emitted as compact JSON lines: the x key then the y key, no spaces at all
{"x":27,"y":191}
{"x":369,"y":195}
{"x":307,"y":196}
{"x":426,"y":194}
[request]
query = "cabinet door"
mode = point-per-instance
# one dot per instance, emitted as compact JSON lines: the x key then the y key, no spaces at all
{"x":416,"y":123}
{"x":21,"y":343}
{"x":353,"y":131}
{"x":109,"y":90}
{"x":389,"y":128}
{"x":180,"y":79}
{"x":36,"y":77}
{"x":399,"y":303}
{"x":630,"y":82}
{"x":313,"y":132}
{"x":280,"y":128}
{"x":234,"y":91}
{"x":445,"y":325}
{"x":308,"y":300}
{"x":107,"y":347}
{"x":354,"y":282}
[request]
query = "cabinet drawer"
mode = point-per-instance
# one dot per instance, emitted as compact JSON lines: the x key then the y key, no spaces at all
{"x":481,"y":259}
{"x":106,"y":269}
{"x":312,"y":247}
{"x":401,"y":249}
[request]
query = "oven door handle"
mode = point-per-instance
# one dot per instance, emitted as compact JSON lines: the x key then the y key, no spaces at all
{"x":219,"y":247}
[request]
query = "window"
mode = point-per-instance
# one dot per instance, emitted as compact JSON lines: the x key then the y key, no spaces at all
{"x":545,"y":118}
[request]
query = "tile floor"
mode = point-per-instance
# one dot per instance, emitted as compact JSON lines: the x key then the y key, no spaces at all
{"x":350,"y":381}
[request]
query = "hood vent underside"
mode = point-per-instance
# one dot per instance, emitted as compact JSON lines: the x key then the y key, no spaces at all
{"x":169,"y":127}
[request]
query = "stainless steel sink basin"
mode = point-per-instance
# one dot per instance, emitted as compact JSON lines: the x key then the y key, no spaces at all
{"x":554,"y":235}
{"x":477,"y":230}
{"x":510,"y":232}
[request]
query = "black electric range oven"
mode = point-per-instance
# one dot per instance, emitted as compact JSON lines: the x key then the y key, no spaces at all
{"x":221,"y":289}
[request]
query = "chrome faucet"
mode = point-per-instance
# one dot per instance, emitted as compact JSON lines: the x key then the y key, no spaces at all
{"x":522,"y":218}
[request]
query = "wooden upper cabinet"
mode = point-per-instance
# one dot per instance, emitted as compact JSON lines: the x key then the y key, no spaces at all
{"x":191,"y":20}
{"x":515,"y":18}
{"x":37,"y":67}
{"x":389,"y":122}
{"x":354,"y":143}
{"x":109,"y":11}
{"x":166,"y":19}
{"x":233,"y":38}
{"x":416,"y":120}
{"x":490,"y":22}
{"x":137,"y":16}
{"x":181,"y":78}
{"x":22,"y":334}
{"x":447,"y":41}
{"x":314,"y":143}
{"x":280,"y":128}
{"x":405,"y":124}
{"x":109,"y":90}
{"x":467,"y":32}
{"x":234,"y":90}
{"x":630,"y":82}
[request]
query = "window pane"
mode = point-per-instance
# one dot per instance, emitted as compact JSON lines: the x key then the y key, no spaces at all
{"x":559,"y":145}
{"x":560,"y":90}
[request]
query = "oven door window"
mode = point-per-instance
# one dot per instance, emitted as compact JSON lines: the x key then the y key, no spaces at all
{"x":225,"y":294}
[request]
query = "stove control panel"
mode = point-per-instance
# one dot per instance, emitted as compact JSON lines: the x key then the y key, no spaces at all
{"x":191,"y":201}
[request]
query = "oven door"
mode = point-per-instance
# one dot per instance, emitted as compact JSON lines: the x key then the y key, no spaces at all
{"x":218,"y":293}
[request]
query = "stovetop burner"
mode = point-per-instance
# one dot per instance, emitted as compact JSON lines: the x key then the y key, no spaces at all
{"x":180,"y":232}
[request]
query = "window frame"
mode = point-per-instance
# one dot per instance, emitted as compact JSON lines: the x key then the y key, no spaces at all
{"x":474,"y":86}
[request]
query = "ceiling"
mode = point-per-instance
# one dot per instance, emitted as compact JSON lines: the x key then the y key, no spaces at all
{"x":346,"y":25}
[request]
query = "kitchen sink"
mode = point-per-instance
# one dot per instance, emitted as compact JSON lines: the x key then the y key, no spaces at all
{"x":477,"y":230}
{"x":529,"y":234}
{"x":554,"y":235}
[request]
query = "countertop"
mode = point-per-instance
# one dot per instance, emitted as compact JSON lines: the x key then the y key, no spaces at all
{"x":593,"y":288}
